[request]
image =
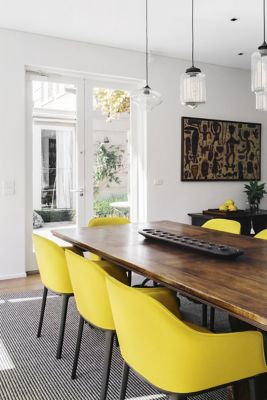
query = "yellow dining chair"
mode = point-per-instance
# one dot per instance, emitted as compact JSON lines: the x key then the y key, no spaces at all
{"x":173,"y":356}
{"x":224,"y":225}
{"x":55,"y":277}
{"x":261,"y":235}
{"x":103,"y":221}
{"x":90,"y":291}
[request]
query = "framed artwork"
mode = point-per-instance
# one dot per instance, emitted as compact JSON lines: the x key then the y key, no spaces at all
{"x":217,"y":150}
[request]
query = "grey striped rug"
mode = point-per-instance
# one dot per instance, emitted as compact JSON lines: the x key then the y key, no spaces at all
{"x":28,"y":366}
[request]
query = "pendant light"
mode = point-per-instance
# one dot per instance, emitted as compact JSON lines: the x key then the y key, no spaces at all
{"x":259,"y":64}
{"x":193,"y":81}
{"x":146,"y":98}
{"x":261,"y":101}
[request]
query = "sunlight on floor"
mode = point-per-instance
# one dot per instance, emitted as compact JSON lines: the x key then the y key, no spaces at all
{"x":5,"y":360}
{"x":29,"y":299}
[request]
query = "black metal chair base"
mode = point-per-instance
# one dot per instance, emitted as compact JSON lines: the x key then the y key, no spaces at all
{"x":109,"y":339}
{"x":205,"y":317}
{"x":42,"y":312}
{"x":65,"y":300}
{"x":78,"y":347}
{"x":107,"y":363}
{"x":124,"y":382}
{"x":177,"y":397}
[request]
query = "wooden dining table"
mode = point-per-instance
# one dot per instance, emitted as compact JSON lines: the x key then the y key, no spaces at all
{"x":237,"y":286}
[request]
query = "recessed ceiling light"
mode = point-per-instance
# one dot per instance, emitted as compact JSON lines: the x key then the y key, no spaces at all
{"x":240,"y":54}
{"x":233,"y":19}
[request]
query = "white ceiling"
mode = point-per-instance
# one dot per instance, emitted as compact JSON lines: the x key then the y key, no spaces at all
{"x":120,"y":23}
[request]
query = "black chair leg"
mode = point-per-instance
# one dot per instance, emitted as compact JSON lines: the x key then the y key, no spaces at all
{"x":42,"y":312}
{"x":107,"y":361}
{"x":212,"y":318}
{"x":129,"y":276}
{"x":124,"y":381}
{"x":78,"y":346}
{"x":65,"y":300}
{"x":177,"y":397}
{"x":144,"y":282}
{"x":252,"y":389}
{"x":205,"y":315}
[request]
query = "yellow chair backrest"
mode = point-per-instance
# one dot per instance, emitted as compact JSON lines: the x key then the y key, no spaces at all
{"x":224,"y":225}
{"x":262,"y":234}
{"x":173,"y":356}
{"x":52,"y":265}
{"x":102,"y":221}
{"x":88,"y":280}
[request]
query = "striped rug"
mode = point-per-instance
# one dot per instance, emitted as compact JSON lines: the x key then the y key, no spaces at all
{"x":28,"y":366}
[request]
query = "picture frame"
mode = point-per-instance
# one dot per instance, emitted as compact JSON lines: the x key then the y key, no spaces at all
{"x":220,"y":150}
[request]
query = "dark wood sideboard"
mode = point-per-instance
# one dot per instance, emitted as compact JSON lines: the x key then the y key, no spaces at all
{"x":247,"y":219}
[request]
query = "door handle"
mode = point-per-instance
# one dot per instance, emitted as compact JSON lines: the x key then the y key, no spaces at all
{"x":80,"y":191}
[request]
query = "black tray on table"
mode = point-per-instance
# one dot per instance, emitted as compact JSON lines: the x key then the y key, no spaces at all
{"x":216,"y":249}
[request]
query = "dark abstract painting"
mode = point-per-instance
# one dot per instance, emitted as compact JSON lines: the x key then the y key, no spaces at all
{"x":216,"y":150}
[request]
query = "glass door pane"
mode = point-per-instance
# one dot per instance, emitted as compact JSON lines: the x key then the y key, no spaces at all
{"x":55,"y":170}
{"x":111,"y":145}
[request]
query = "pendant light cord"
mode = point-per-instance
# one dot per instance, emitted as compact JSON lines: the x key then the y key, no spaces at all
{"x":263,"y":21}
{"x":147,"y":43}
{"x":193,"y":44}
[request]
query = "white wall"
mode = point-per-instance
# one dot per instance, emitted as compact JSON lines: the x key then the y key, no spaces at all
{"x":229,"y":97}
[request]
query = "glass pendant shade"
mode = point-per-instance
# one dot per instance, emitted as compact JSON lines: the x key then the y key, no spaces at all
{"x":193,"y":88}
{"x":259,"y":71}
{"x":146,"y":99}
{"x":261,"y":101}
{"x":193,"y":82}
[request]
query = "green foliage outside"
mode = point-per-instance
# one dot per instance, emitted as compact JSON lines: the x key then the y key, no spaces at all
{"x":108,"y":163}
{"x":102,"y":208}
{"x":112,"y":102}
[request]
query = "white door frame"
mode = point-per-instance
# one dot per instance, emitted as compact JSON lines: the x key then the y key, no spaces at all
{"x":80,"y":135}
{"x":138,"y":139}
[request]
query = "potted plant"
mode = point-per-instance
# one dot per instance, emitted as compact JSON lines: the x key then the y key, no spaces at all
{"x":255,"y":192}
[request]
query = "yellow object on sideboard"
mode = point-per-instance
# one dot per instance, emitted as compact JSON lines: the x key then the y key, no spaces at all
{"x":228,"y":205}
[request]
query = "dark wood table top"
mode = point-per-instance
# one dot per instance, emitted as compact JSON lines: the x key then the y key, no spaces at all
{"x":237,"y":286}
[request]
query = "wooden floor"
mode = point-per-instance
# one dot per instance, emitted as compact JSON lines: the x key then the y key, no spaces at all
{"x":31,"y":282}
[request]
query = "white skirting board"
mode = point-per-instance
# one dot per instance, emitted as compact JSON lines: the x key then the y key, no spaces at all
{"x":13,"y":276}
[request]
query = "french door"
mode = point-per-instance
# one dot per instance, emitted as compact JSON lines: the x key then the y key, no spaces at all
{"x":82,"y":155}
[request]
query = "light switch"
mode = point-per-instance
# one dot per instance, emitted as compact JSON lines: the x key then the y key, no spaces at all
{"x":158,"y":182}
{"x":8,"y":188}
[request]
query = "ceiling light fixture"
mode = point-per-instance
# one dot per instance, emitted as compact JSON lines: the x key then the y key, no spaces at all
{"x":146,"y":98}
{"x":240,"y":54}
{"x":261,"y":101}
{"x":234,"y":19}
{"x":193,"y":82}
{"x":259,"y":64}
